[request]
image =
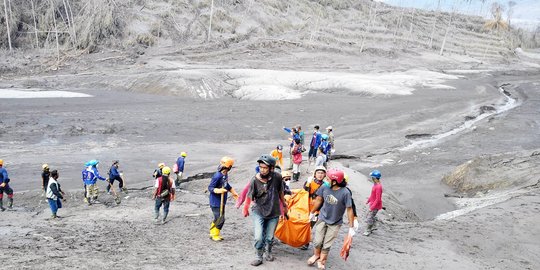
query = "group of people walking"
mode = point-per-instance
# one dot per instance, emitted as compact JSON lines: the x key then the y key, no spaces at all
{"x":263,"y":197}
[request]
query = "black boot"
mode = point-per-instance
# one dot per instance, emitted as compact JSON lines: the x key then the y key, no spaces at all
{"x":268,"y":253}
{"x":10,"y":204}
{"x":2,"y":206}
{"x":259,"y":260}
{"x":296,"y":177}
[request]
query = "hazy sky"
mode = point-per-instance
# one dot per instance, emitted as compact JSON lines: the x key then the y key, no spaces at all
{"x":525,"y":11}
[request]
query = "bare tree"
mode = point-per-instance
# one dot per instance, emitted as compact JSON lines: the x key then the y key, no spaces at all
{"x":210,"y":24}
{"x":7,"y":24}
{"x":510,"y":11}
{"x":35,"y":22}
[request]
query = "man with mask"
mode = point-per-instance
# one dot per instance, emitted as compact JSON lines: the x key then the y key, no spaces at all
{"x":266,"y":190}
{"x":335,"y":199}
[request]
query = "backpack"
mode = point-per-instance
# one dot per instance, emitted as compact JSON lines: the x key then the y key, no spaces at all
{"x":165,"y":186}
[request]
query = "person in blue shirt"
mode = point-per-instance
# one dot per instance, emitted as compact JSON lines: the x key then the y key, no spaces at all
{"x":314,"y":145}
{"x":4,"y":187}
{"x":219,"y":187}
{"x":179,"y":168}
{"x":115,"y":175}
{"x":90,"y":175}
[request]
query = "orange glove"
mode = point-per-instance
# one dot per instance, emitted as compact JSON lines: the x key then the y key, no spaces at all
{"x":245,"y":210}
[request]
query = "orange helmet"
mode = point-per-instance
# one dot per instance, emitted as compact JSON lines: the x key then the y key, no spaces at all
{"x":1,"y":162}
{"x":226,"y":162}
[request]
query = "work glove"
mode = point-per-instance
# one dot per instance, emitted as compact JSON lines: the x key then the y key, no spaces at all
{"x":309,"y":180}
{"x":3,"y":185}
{"x":219,"y":190}
{"x":356,"y":225}
{"x":312,"y":217}
{"x":352,"y":232}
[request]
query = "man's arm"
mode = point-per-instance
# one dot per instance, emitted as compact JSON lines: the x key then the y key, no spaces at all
{"x":317,"y":203}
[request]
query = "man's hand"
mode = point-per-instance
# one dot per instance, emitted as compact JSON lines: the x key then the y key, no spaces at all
{"x":3,"y":185}
{"x":219,"y":190}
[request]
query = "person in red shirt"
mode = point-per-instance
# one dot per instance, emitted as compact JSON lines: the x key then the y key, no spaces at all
{"x":374,"y":201}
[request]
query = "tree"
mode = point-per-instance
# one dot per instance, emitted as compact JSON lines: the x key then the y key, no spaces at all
{"x":496,"y":23}
{"x":7,"y":23}
{"x":510,"y":11}
{"x":210,"y":24}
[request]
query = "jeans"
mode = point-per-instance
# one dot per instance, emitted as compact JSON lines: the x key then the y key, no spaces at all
{"x":216,"y":212}
{"x":165,"y":204}
{"x":54,"y":205}
{"x":264,"y":230}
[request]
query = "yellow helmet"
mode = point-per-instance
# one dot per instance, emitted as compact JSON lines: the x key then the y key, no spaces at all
{"x":226,"y":162}
{"x":184,"y":154}
{"x":166,"y":170}
{"x":346,"y":178}
{"x":45,"y":166}
{"x":161,"y":165}
{"x":1,"y":162}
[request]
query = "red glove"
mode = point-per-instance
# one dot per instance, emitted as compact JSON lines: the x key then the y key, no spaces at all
{"x":245,"y":210}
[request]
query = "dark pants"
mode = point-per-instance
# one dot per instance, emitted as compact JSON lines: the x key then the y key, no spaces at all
{"x":312,"y":152}
{"x":6,"y":189}
{"x":165,"y":204}
{"x":54,"y":205}
{"x":120,"y":183}
{"x":215,"y":211}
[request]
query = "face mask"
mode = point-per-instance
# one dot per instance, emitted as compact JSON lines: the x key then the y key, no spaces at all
{"x":327,"y":184}
{"x":287,"y":183}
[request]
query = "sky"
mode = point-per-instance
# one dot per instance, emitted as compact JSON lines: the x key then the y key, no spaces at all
{"x":526,"y":12}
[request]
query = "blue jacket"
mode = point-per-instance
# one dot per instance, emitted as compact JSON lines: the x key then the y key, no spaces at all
{"x":295,"y":136}
{"x":317,"y":141}
{"x":4,"y":178}
{"x":325,"y":147}
{"x":113,"y":173}
{"x":180,"y":163}
{"x":219,"y":180}
{"x":90,"y":175}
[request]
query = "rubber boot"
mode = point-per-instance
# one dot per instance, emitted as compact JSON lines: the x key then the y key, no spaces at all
{"x":10,"y":204}
{"x":2,"y":206}
{"x":297,"y":176}
{"x":212,"y":225}
{"x":216,"y":237}
{"x":259,"y":260}
{"x":268,"y":253}
{"x":54,"y":215}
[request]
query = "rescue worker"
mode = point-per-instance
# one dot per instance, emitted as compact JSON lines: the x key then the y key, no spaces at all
{"x":4,"y":187}
{"x":278,"y":155}
{"x":333,"y":200}
{"x":157,"y":172}
{"x":90,"y":177}
{"x":163,"y":194}
{"x":266,"y":191}
{"x":374,"y":201}
{"x":179,"y":168}
{"x":55,"y":195}
{"x":313,"y":184}
{"x":219,"y":187}
{"x":45,"y":175}
{"x":115,"y":175}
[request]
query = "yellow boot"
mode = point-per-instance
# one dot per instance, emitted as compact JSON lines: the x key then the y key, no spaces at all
{"x":212,"y":231}
{"x":216,"y":237}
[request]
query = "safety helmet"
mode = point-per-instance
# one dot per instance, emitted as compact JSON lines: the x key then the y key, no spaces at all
{"x":329,"y":128}
{"x":226,"y":162}
{"x":324,"y":137}
{"x":375,"y":174}
{"x":335,"y":175}
{"x":320,"y":168}
{"x":45,"y":166}
{"x":346,"y":178}
{"x":183,"y":154}
{"x":268,"y":160}
{"x":1,"y":162}
{"x":92,"y":162}
{"x":166,"y":170}
{"x":161,"y":165}
{"x":286,"y":174}
{"x":280,"y":147}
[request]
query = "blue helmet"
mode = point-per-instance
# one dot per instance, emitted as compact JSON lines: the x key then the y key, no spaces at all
{"x":324,"y":137}
{"x":92,"y":162}
{"x":376,"y":174}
